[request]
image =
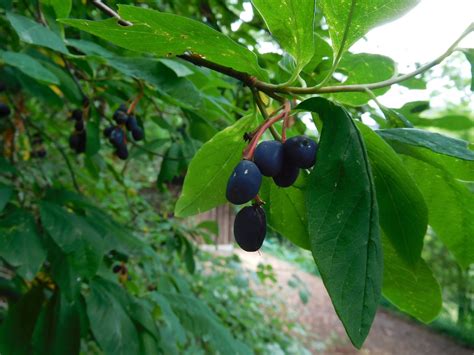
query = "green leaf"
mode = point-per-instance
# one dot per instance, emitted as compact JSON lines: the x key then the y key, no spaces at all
{"x":74,"y":236}
{"x":295,"y":33}
{"x":93,"y":136}
{"x":414,"y":83}
{"x":29,"y":66}
{"x":445,"y":153}
{"x":450,"y":208}
{"x":469,"y":53}
{"x":363,"y":68}
{"x":17,"y":328}
{"x":286,"y":210}
{"x":32,"y":32}
{"x":62,"y":8}
{"x":206,"y":179}
{"x":198,"y":318}
{"x":168,"y":35}
{"x":343,"y":220}
{"x":6,"y":192}
{"x":111,"y":325}
{"x":352,"y":19}
{"x":170,"y":167}
{"x":412,"y":289}
{"x":58,"y":329}
{"x":435,"y":142}
{"x":20,"y":243}
{"x":402,"y":211}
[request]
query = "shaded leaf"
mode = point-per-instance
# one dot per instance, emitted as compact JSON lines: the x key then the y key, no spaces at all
{"x":402,"y":211}
{"x":29,"y":66}
{"x":343,"y":220}
{"x":168,"y":35}
{"x":412,"y":289}
{"x":206,"y":180}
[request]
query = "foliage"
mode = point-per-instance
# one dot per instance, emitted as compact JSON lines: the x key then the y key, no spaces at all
{"x":95,"y":250}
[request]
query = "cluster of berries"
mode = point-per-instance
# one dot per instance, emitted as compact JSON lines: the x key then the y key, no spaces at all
{"x":282,"y":162}
{"x":78,"y":138}
{"x":117,"y":134}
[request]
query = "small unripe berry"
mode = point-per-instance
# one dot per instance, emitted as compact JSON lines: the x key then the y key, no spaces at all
{"x":269,"y":157}
{"x":250,"y":227}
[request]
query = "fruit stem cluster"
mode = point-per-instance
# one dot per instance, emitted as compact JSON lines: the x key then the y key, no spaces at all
{"x":250,"y":150}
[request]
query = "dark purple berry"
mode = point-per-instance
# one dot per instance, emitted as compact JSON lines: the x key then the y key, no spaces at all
{"x":250,"y":227}
{"x":74,"y":141}
{"x":137,"y":134}
{"x":269,"y":157}
{"x":288,"y":175}
{"x":301,"y":151}
{"x":76,"y":115}
{"x":244,"y":183}
{"x":120,"y":117}
{"x":79,"y":125}
{"x":108,"y":131}
{"x":4,"y":110}
{"x":122,"y":108}
{"x":117,"y":268}
{"x":117,"y":136}
{"x":122,"y":151}
{"x":131,"y":123}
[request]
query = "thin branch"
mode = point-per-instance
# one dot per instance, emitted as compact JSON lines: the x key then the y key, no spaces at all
{"x":263,"y":111}
{"x":109,"y":11}
{"x":273,"y":90}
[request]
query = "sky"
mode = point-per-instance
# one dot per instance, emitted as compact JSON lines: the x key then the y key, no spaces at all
{"x":419,"y":36}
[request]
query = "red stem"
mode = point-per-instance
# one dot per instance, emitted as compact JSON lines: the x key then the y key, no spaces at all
{"x":249,"y":151}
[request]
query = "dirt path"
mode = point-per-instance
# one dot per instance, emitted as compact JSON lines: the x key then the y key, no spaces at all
{"x":390,"y":334}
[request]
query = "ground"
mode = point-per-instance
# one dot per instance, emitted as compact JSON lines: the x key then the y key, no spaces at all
{"x":390,"y":333}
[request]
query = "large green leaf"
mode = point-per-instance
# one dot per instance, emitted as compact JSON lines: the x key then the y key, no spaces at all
{"x":20,"y":243}
{"x":206,"y":179}
{"x":286,"y":210}
{"x":343,"y":220}
{"x":32,"y":32}
{"x":58,"y":329}
{"x":413,"y":289}
{"x":6,"y":192}
{"x":352,"y":19}
{"x":29,"y":66}
{"x":62,"y":8}
{"x":403,"y":212}
{"x":451,"y":208}
{"x":168,"y":35}
{"x":469,"y":53}
{"x":434,"y":141}
{"x":111,"y":325}
{"x":449,"y":154}
{"x":74,"y":236}
{"x":17,"y":328}
{"x":291,"y":22}
{"x":363,"y":68}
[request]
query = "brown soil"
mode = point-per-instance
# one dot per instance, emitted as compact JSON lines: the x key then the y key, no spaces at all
{"x":390,"y":333}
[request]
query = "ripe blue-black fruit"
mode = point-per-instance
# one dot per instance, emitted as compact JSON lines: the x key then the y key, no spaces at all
{"x":138,"y":134}
{"x":301,"y":151}
{"x":117,"y":136}
{"x":4,"y":110}
{"x":76,"y":114}
{"x":244,"y":183}
{"x":288,"y":174}
{"x":131,"y":123}
{"x":250,"y":227}
{"x":108,"y":131}
{"x":122,"y":151}
{"x":79,"y":125}
{"x":120,"y":117}
{"x":269,"y":157}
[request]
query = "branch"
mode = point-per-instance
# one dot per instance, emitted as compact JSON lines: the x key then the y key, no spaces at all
{"x":273,"y":90}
